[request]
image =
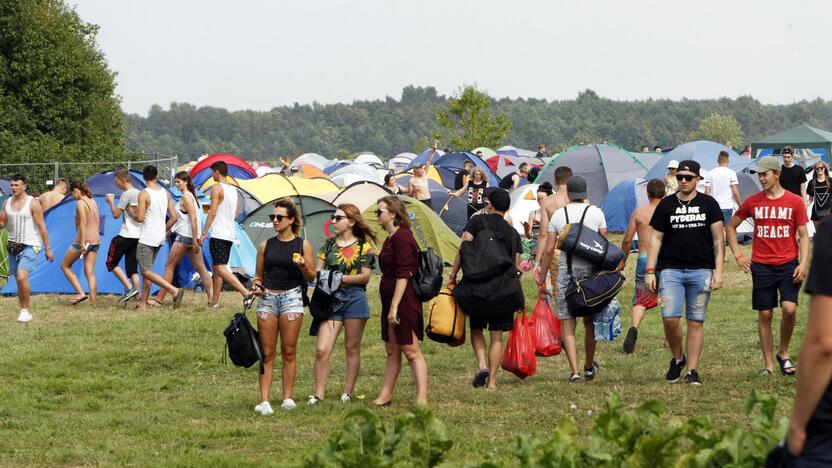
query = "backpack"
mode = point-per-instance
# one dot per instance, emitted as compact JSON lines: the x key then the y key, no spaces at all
{"x":485,"y":257}
{"x":243,"y":342}
{"x":507,"y":182}
{"x":446,"y":321}
{"x":427,"y":281}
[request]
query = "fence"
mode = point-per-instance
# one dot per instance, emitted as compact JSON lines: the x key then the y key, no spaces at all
{"x":42,"y":176}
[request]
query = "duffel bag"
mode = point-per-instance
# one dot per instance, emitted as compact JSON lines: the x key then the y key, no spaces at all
{"x":446,"y":322}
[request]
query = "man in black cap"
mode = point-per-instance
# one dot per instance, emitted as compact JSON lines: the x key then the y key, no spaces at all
{"x":497,"y":202}
{"x":684,"y":260}
{"x":792,"y":176}
{"x":593,"y":218}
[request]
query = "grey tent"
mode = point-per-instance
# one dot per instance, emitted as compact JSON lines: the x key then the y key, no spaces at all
{"x":316,"y":220}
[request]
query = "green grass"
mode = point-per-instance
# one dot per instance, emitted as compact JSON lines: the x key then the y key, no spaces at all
{"x":112,"y":386}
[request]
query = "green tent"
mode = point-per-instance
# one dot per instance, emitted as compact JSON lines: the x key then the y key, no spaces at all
{"x":316,"y":220}
{"x":800,"y":137}
{"x":428,"y":229}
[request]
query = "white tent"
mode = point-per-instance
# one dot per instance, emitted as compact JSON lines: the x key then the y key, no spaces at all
{"x":368,"y":158}
{"x":352,"y":173}
{"x":399,"y":163}
{"x":523,"y":202}
{"x":312,"y":158}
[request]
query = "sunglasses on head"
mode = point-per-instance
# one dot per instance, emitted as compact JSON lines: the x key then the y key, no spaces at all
{"x":379,"y":211}
{"x":279,"y":217}
{"x":337,"y":218}
{"x":685,"y":177}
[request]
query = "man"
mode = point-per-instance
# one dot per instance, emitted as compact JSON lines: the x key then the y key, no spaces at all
{"x":22,"y":216}
{"x":56,"y":195}
{"x":657,"y":149}
{"x":461,"y":179}
{"x":154,"y":202}
{"x":594,"y":219}
{"x":809,"y":438}
{"x":541,"y":151}
{"x":670,"y":184}
{"x":792,"y":176}
{"x":417,"y":186}
{"x":221,"y":224}
{"x":686,"y":252}
{"x":643,"y":297}
{"x":513,"y":180}
{"x":548,"y":207}
{"x":479,"y":154}
{"x":779,"y":229}
{"x":497,"y":321}
{"x":125,"y":243}
{"x":722,"y":184}
{"x":644,"y":149}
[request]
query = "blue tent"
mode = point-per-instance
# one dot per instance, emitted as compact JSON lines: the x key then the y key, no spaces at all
{"x":335,"y":166}
{"x":621,"y":201}
{"x":104,"y":183}
{"x":452,"y":210}
{"x":428,"y":156}
{"x":5,"y":186}
{"x":456,"y":159}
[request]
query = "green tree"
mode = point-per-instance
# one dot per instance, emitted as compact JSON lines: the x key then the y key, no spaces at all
{"x":56,"y":94}
{"x":466,"y":122}
{"x":719,"y":128}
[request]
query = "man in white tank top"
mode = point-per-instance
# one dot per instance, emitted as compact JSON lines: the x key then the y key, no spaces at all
{"x":221,"y":224}
{"x":154,"y":202}
{"x":22,"y":216}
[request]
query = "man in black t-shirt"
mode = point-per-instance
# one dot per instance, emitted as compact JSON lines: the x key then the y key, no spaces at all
{"x":497,"y":321}
{"x":809,"y":440}
{"x":792,"y":176}
{"x":685,"y":252}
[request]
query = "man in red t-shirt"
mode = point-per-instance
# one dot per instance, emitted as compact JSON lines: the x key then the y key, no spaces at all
{"x":779,"y":229}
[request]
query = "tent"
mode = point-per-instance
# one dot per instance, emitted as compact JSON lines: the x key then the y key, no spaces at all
{"x":352,"y":173}
{"x":361,"y":194}
{"x":603,"y":166}
{"x":316,"y":221}
{"x":427,"y":228}
{"x":400,"y":161}
{"x":452,"y":210}
{"x":308,"y":171}
{"x":5,"y":186}
{"x":273,"y":186}
{"x":314,"y":159}
{"x":622,"y":200}
{"x":486,"y":152}
{"x":502,"y":165}
{"x":523,"y":202}
{"x":814,"y":141}
{"x":428,"y":156}
{"x":456,"y":159}
{"x":104,"y":183}
{"x":513,"y":151}
{"x":369,"y":159}
{"x":237,"y":168}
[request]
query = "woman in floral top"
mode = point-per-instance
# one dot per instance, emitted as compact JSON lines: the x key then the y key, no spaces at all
{"x":350,"y":253}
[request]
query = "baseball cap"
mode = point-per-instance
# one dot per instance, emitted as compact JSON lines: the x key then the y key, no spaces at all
{"x":498,"y":198}
{"x":673,"y":164}
{"x":787,"y":150}
{"x":576,"y":188}
{"x":768,"y":163}
{"x":689,"y":165}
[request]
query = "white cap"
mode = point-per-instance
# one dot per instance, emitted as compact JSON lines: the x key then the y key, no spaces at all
{"x":673,"y":164}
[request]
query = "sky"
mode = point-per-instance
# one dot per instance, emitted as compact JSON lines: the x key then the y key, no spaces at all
{"x":260,"y":54}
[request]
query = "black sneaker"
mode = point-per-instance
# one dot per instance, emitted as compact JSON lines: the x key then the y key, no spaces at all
{"x":630,"y":341}
{"x":481,"y":378}
{"x":589,"y":374}
{"x":693,"y":378}
{"x":675,"y":370}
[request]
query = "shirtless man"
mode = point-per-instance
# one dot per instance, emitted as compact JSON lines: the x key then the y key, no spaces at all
{"x":548,"y":206}
{"x":56,"y":195}
{"x":643,"y":297}
{"x":417,"y":187}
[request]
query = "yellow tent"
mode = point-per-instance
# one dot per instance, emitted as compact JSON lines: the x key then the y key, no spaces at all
{"x":273,"y":186}
{"x":432,"y":174}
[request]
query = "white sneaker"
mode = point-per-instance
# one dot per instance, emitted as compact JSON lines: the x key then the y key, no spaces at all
{"x":314,"y":400}
{"x":346,"y":398}
{"x":24,"y":316}
{"x":288,"y":404}
{"x":264,"y":408}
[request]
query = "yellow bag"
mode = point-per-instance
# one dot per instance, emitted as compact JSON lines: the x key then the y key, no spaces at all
{"x":446,"y":322}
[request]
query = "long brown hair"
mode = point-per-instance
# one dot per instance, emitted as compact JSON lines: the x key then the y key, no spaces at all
{"x":396,"y":206}
{"x":82,"y":186}
{"x":360,"y":229}
{"x":292,"y":212}
{"x":185,"y":177}
{"x":828,"y":182}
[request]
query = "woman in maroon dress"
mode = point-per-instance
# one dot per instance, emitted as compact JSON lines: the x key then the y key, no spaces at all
{"x":401,"y":311}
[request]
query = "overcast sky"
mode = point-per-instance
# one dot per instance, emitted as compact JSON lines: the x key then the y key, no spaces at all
{"x":258,"y":54}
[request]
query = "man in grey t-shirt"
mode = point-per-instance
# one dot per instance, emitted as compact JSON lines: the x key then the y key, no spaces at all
{"x":124,"y":244}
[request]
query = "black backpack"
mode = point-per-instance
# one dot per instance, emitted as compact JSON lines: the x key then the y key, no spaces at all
{"x":428,"y":278}
{"x":243,"y":342}
{"x":485,"y":257}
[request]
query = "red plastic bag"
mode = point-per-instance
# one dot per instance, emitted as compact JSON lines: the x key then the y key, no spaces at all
{"x":546,"y":329}
{"x":519,"y":358}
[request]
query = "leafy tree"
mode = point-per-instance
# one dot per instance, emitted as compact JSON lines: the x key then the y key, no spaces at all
{"x":56,"y":94}
{"x":466,"y":122}
{"x":719,"y":128}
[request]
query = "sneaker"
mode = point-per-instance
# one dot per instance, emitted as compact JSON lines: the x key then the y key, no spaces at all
{"x":675,"y":370}
{"x":24,"y":316}
{"x":692,"y":378}
{"x":288,"y":404}
{"x":314,"y":400}
{"x":574,"y":378}
{"x":630,"y":341}
{"x":480,"y":378}
{"x":589,"y":374}
{"x":765,"y":373}
{"x":128,"y":294}
{"x":264,"y":408}
{"x":346,"y":398}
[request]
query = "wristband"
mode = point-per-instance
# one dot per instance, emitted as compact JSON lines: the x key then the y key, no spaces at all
{"x":650,"y":270}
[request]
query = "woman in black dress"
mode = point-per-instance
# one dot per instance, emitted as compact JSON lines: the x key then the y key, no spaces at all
{"x":401,"y":311}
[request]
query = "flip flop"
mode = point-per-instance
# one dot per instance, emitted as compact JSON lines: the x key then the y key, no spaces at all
{"x":786,"y":365}
{"x":78,"y":300}
{"x":177,"y":300}
{"x":153,"y":302}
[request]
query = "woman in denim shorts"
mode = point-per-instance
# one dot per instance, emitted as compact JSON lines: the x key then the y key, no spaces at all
{"x":86,"y":243}
{"x":184,"y":227}
{"x":350,"y":253}
{"x":283,"y":269}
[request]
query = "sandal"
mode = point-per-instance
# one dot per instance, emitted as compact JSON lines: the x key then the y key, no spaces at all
{"x":786,"y":365}
{"x":153,"y":302}
{"x":78,"y":300}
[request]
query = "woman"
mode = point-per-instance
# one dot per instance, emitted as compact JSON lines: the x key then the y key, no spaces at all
{"x":819,"y":189}
{"x":401,"y":311}
{"x":284,"y":266}
{"x":86,"y":242}
{"x":476,"y":187}
{"x":417,"y":186}
{"x":391,"y":185}
{"x":187,"y":223}
{"x":532,"y":226}
{"x":350,"y":253}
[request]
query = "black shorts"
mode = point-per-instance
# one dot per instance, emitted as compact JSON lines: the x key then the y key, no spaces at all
{"x":427,"y":202}
{"x":220,"y":251}
{"x":767,"y":280}
{"x":495,"y":322}
{"x":123,"y":247}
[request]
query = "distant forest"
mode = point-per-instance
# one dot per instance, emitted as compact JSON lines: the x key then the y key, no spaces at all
{"x":390,"y":126}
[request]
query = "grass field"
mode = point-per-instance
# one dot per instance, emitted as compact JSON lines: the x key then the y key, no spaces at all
{"x":111,"y":386}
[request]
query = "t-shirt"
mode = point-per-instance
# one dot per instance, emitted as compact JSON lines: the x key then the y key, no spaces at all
{"x":475,"y":194}
{"x":459,"y":180}
{"x":594,"y":220}
{"x":348,"y":260}
{"x":821,"y":199}
{"x":687,"y":241}
{"x":130,"y":227}
{"x":775,"y":226}
{"x":496,"y":223}
{"x":818,"y":283}
{"x":792,"y":177}
{"x":719,"y":181}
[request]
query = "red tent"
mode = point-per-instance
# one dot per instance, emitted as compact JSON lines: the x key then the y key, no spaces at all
{"x":229,"y":159}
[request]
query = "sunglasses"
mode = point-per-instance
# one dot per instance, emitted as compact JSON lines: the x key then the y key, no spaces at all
{"x":685,"y":177}
{"x":820,"y":168}
{"x":279,"y":218}
{"x":337,"y":218}
{"x":379,"y":211}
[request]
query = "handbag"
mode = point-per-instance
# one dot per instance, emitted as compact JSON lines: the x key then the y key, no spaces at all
{"x":427,"y":281}
{"x":15,"y":248}
{"x":242,"y":342}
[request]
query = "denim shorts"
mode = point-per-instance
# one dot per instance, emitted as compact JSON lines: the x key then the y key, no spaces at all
{"x":184,"y":240}
{"x":26,"y":260}
{"x":690,"y":288}
{"x":726,"y":215}
{"x":91,"y":248}
{"x":350,"y":303}
{"x":279,"y":303}
{"x":562,"y":284}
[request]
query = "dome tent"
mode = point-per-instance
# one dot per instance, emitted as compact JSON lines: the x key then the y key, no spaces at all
{"x":428,"y":157}
{"x":316,"y":221}
{"x":523,"y":202}
{"x":456,"y":159}
{"x":352,"y":173}
{"x":622,"y":200}
{"x":361,"y":194}
{"x":273,"y":186}
{"x":314,"y":159}
{"x":452,"y":210}
{"x":368,"y":159}
{"x":237,"y":168}
{"x":514,"y":151}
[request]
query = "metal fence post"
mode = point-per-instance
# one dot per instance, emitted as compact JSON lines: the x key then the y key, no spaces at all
{"x":57,"y":173}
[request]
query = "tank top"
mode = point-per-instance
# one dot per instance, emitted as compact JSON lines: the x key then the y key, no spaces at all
{"x":279,"y":271}
{"x":223,"y":225}
{"x":152,"y":232}
{"x":21,"y":224}
{"x":183,"y":219}
{"x":92,"y":228}
{"x":475,"y":193}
